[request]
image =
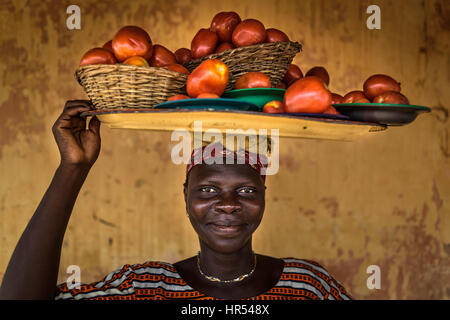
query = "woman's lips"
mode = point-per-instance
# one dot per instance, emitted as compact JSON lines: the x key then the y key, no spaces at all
{"x":226,"y":229}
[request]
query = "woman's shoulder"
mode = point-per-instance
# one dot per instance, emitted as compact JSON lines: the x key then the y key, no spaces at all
{"x":305,"y":272}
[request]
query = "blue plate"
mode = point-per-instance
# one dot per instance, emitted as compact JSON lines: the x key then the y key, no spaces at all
{"x":319,"y":115}
{"x":208,"y":104}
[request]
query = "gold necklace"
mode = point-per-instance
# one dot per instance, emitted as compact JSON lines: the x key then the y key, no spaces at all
{"x":240,"y":278}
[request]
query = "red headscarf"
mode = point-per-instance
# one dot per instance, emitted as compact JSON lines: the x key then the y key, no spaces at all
{"x":207,"y":154}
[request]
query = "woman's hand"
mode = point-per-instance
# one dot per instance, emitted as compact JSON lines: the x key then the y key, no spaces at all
{"x":77,"y":145}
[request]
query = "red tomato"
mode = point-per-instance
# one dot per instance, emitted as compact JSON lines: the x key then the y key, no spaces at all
{"x":136,"y":61}
{"x":249,"y":32}
{"x":252,"y":80}
{"x":361,"y":100}
{"x":207,"y":96}
{"x":97,"y":56}
{"x":331,"y":110}
{"x":319,"y":72}
{"x":352,"y":96}
{"x":183,"y":55}
{"x":177,"y":67}
{"x":178,"y":97}
{"x":308,"y":95}
{"x":108,"y":46}
{"x":204,"y":43}
{"x":211,"y":76}
{"x":391,"y":97}
{"x":223,"y":24}
{"x":224,"y":46}
{"x":379,"y":83}
{"x":275,"y":35}
{"x":274,"y":106}
{"x":293,"y":73}
{"x":161,"y":56}
{"x":281,"y":85}
{"x":132,"y":41}
{"x":336,"y":98}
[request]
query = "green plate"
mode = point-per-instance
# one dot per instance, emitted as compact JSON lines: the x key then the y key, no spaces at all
{"x":208,"y":104}
{"x":382,"y":113}
{"x":257,"y":96}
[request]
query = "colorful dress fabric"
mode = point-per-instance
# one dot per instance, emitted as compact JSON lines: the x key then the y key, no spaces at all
{"x":153,"y":280}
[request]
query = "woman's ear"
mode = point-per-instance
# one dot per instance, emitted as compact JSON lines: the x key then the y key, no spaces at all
{"x":185,"y":197}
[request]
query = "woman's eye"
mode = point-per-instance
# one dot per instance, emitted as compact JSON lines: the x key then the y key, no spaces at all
{"x":207,"y":190}
{"x":247,"y":190}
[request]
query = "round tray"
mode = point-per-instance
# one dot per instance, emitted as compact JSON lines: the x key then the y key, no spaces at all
{"x":257,"y":96}
{"x":382,"y":113}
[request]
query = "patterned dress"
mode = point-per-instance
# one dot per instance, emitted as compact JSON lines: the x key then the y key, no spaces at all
{"x":300,"y":280}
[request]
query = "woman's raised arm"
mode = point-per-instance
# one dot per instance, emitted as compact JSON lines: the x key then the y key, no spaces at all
{"x":33,"y":269}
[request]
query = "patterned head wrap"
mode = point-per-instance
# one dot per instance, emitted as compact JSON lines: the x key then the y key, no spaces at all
{"x":216,"y":153}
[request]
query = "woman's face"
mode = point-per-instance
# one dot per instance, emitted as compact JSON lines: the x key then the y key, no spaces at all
{"x":225,"y":204}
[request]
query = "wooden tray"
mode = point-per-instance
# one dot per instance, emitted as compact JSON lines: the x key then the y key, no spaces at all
{"x":288,"y":125}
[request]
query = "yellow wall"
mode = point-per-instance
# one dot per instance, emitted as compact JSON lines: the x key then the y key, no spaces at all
{"x":382,"y":200}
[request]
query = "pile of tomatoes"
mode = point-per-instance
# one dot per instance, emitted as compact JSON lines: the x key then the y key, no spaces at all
{"x":378,"y":88}
{"x":132,"y":45}
{"x":307,"y":93}
{"x":228,"y":31}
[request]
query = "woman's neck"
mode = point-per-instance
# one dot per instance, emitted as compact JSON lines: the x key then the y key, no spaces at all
{"x":226,"y":266}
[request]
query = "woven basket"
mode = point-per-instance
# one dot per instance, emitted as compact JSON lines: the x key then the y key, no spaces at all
{"x":127,"y":86}
{"x":273,"y":59}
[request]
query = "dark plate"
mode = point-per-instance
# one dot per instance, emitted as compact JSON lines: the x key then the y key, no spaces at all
{"x":218,"y":104}
{"x":382,"y":113}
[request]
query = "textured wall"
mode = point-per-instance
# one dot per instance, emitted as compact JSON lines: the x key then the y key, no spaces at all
{"x":383,"y":200}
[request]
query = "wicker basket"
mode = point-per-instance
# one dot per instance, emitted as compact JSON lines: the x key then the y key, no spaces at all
{"x":127,"y":86}
{"x":273,"y":59}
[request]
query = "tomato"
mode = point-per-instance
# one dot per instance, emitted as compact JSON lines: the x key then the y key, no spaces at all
{"x":281,"y":85}
{"x":331,"y":110}
{"x":108,"y":46}
{"x":204,"y":43}
{"x":223,"y":24}
{"x":249,"y":32}
{"x":352,"y":96}
{"x":224,"y":46}
{"x":319,"y":72}
{"x":177,"y":67}
{"x":178,"y":97}
{"x":183,"y":55}
{"x":293,"y":73}
{"x":211,"y":76}
{"x":391,"y":97}
{"x":132,"y":41}
{"x":336,"y":98}
{"x":274,"y":106}
{"x":275,"y":35}
{"x":161,"y":56}
{"x":308,"y":95}
{"x":207,"y":95}
{"x":379,"y":83}
{"x":252,"y":80}
{"x":97,"y":56}
{"x":136,"y":61}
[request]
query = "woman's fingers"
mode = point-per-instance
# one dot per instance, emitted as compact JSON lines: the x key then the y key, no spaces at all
{"x":94,"y":125}
{"x":74,"y":103}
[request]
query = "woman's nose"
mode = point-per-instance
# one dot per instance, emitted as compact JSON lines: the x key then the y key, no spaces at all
{"x":228,"y":203}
